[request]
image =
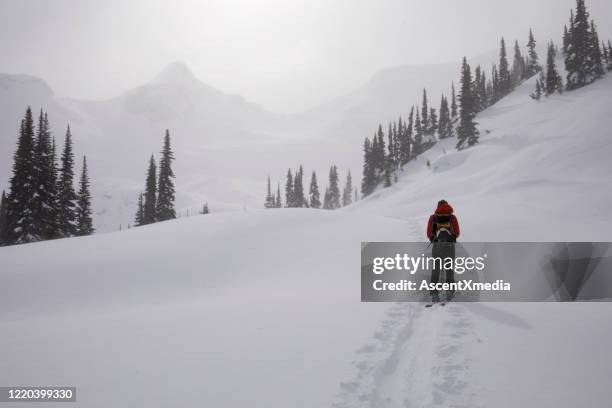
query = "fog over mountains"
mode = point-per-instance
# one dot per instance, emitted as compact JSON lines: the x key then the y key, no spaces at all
{"x":225,"y":146}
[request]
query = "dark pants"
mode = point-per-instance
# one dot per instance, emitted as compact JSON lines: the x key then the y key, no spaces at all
{"x":441,"y":251}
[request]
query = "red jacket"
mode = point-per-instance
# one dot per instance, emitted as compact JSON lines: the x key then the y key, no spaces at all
{"x":444,"y":209}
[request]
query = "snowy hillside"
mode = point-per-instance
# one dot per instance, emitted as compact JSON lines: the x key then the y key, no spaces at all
{"x":261,"y":308}
{"x":211,"y":132}
{"x":541,"y":171}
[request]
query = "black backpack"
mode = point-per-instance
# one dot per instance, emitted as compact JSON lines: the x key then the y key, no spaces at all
{"x":442,"y":228}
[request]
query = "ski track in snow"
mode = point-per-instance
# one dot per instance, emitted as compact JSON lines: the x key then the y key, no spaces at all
{"x":414,"y":360}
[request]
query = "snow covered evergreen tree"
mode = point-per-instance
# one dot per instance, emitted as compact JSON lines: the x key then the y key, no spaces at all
{"x":424,"y":114}
{"x":418,"y":135}
{"x":433,"y":121}
{"x":505,"y":78}
{"x":66,"y":195}
{"x":327,"y":200}
{"x":278,"y":203}
{"x":313,"y":193}
{"x":380,"y":154}
{"x":533,"y":64}
{"x":289,"y":197}
{"x":609,"y":55}
{"x":539,"y":89}
{"x":139,"y":218}
{"x":20,"y":208}
{"x":164,"y":207}
{"x":467,"y":134}
{"x":368,"y":181}
{"x":84,"y":223}
{"x":298,"y":189}
{"x":598,"y":68}
{"x":518,"y":66}
{"x":150,"y":194}
{"x":348,"y":190}
{"x":406,"y":141}
{"x":580,"y":58}
{"x":453,"y":102}
{"x":3,"y":220}
{"x":553,"y":82}
{"x":270,"y":202}
{"x":45,"y":201}
{"x":205,"y":209}
{"x":444,"y":125}
{"x":334,"y":188}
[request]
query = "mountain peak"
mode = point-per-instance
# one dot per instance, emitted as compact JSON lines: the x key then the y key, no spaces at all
{"x":176,"y":71}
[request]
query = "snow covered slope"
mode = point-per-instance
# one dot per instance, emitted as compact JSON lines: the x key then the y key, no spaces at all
{"x":261,"y":308}
{"x":541,"y":171}
{"x":244,"y":308}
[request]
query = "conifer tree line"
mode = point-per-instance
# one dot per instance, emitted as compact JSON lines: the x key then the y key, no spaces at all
{"x":386,"y":155}
{"x":586,"y":59}
{"x":296,"y":197}
{"x":156,"y":203}
{"x":41,"y":202}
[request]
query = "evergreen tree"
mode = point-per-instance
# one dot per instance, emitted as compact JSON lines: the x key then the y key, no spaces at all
{"x":84,"y":223}
{"x":475,"y":87}
{"x":348,"y":191}
{"x":481,"y":90}
{"x":453,"y":102}
{"x":139,"y":219}
{"x":327,"y":200}
{"x":45,"y":202}
{"x":67,"y":197}
{"x":467,"y":134}
{"x":20,"y":210}
{"x":278,"y":203}
{"x":150,"y":195}
{"x":270,"y":201}
{"x":406,"y":145}
{"x":164,"y":207}
{"x":391,"y":148}
{"x":433,"y":121}
{"x":495,"y":94}
{"x":553,"y":80}
{"x":445,"y":128}
{"x":368,"y":181}
{"x":598,"y":68}
{"x":205,"y":209}
{"x":397,"y":135}
{"x":3,"y":220}
{"x":580,"y":58}
{"x":518,"y":66}
{"x":313,"y":193}
{"x":298,"y":188}
{"x":289,"y":198}
{"x":417,"y":147}
{"x":533,"y":64}
{"x":334,"y":188}
{"x":356,"y":195}
{"x":380,"y":154}
{"x":424,"y":114}
{"x":505,"y":79}
{"x":537,"y":94}
{"x":609,"y":55}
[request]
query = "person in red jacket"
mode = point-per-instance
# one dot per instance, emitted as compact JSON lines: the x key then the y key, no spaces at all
{"x":445,"y":218}
{"x":442,"y":231}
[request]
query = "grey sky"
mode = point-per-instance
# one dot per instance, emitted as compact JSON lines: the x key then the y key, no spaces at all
{"x":285,"y":55}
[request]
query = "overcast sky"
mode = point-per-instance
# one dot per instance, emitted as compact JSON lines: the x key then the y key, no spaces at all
{"x":285,"y":55}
